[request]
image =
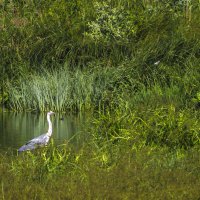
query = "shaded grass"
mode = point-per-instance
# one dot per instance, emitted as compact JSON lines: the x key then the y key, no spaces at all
{"x":162,"y":125}
{"x":143,"y":142}
{"x":111,"y":31}
{"x":61,"y":89}
{"x":68,"y":55}
{"x":147,"y":173}
{"x":100,"y":87}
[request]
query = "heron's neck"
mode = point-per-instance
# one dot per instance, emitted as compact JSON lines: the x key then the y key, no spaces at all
{"x":50,"y":126}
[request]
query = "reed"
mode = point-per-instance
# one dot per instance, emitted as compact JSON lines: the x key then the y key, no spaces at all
{"x":60,"y":90}
{"x":102,"y":87}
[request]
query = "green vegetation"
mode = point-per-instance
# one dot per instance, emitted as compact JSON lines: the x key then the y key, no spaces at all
{"x":101,"y":173}
{"x":133,"y":64}
{"x":106,"y":46}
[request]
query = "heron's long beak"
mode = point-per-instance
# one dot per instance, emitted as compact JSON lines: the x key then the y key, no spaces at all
{"x":51,"y":112}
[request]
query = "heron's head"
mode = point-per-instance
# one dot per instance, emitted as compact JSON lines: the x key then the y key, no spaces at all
{"x":50,"y":113}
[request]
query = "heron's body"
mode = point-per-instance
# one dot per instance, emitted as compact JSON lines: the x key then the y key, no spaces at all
{"x":41,"y":140}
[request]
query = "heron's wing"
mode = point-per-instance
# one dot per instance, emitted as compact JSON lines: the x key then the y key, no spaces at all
{"x":32,"y":144}
{"x":38,"y":140}
{"x":29,"y":146}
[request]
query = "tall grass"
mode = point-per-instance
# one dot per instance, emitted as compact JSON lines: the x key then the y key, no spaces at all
{"x":102,"y":37}
{"x":49,"y":90}
{"x":136,"y":65}
{"x":117,"y":172}
{"x":111,"y":31}
{"x":61,"y":89}
{"x":109,"y":54}
{"x":100,"y":87}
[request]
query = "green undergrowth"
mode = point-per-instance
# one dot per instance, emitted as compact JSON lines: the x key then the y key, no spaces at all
{"x":110,"y":172}
{"x":75,"y":55}
{"x":135,"y":66}
{"x":35,"y":33}
{"x":100,"y":87}
{"x":166,"y":126}
{"x":129,"y":153}
{"x":62,"y":90}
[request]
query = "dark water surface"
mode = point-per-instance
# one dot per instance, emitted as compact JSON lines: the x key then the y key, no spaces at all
{"x":17,"y":128}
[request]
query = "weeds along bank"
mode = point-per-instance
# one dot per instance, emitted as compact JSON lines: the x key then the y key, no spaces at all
{"x":41,"y":34}
{"x":136,"y":65}
{"x":147,"y":147}
{"x":101,"y":55}
{"x":142,"y":63}
{"x":115,"y":169}
{"x":129,"y":152}
{"x":100,"y":87}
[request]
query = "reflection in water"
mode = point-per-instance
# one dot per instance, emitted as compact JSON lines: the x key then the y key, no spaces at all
{"x":17,"y":128}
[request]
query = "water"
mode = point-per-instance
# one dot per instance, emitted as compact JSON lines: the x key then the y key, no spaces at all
{"x":17,"y":128}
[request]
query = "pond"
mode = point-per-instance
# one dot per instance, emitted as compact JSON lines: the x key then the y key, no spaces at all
{"x":18,"y":128}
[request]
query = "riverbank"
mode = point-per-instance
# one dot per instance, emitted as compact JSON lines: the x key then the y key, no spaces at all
{"x":134,"y":65}
{"x":130,"y":153}
{"x":83,"y":56}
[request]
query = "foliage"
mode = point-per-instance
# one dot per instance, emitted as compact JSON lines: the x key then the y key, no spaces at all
{"x":135,"y":65}
{"x":160,"y":126}
{"x":111,"y":24}
{"x":115,"y":172}
{"x":61,"y":90}
{"x":80,"y":32}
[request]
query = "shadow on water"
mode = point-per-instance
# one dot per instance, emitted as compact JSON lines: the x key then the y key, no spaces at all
{"x":17,"y":128}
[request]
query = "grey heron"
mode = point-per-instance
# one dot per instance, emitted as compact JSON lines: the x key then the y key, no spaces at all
{"x":40,"y":140}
